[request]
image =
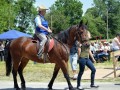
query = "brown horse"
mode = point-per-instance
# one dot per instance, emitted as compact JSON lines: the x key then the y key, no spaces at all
{"x":23,"y":49}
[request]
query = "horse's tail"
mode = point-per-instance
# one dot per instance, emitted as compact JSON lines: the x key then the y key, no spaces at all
{"x":8,"y":60}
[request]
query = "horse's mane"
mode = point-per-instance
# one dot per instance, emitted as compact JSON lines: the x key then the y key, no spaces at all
{"x":64,"y":35}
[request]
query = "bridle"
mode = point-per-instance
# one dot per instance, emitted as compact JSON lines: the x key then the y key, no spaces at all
{"x":79,"y":34}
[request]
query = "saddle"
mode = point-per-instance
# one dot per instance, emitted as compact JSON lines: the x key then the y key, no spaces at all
{"x":48,"y":45}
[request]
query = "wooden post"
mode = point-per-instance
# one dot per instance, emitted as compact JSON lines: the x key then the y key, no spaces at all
{"x":114,"y":65}
{"x":114,"y":54}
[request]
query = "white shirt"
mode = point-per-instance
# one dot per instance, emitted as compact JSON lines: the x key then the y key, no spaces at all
{"x":92,"y":48}
{"x":2,"y":47}
{"x":37,"y":20}
{"x":114,"y":44}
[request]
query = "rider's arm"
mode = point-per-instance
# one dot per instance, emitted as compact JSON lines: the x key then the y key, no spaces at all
{"x":49,"y":30}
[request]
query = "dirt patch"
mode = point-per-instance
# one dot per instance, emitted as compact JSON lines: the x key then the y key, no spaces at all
{"x":101,"y":73}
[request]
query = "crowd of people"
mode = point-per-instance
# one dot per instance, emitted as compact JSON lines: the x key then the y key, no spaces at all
{"x":101,"y":50}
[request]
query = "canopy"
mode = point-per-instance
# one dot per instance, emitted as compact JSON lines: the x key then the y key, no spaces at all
{"x":13,"y":34}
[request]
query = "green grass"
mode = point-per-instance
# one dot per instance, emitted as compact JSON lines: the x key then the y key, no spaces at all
{"x":43,"y":72}
{"x":33,"y":72}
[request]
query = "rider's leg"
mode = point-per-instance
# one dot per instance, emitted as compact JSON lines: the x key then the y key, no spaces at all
{"x":43,"y":39}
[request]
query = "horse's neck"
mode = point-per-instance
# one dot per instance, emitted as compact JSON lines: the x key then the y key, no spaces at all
{"x":71,"y":38}
{"x":70,"y":43}
{"x":63,"y":36}
{"x":67,"y":37}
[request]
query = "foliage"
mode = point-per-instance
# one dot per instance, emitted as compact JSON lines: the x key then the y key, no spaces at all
{"x":7,"y":15}
{"x":99,"y":15}
{"x":96,"y":25}
{"x":20,"y":14}
{"x":65,"y":13}
{"x":25,"y":14}
{"x":16,"y":14}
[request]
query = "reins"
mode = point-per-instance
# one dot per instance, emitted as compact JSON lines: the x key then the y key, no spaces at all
{"x":59,"y":42}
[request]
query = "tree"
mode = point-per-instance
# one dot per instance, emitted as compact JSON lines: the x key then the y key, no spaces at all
{"x":113,"y":9}
{"x":98,"y":14}
{"x":96,"y":25}
{"x":17,"y":14}
{"x":65,"y":14}
{"x":25,"y":14}
{"x":7,"y":15}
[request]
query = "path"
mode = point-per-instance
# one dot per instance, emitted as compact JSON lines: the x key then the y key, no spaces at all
{"x":8,"y":85}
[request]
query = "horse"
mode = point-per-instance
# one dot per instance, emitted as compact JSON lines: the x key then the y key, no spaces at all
{"x":23,"y":49}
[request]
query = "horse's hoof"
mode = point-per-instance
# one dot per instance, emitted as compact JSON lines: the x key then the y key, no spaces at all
{"x":50,"y":89}
{"x":23,"y":88}
{"x":17,"y":88}
{"x":73,"y":89}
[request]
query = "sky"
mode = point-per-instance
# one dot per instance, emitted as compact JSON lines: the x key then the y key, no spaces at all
{"x":86,"y":3}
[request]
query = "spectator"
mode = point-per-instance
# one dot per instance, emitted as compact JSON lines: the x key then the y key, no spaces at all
{"x":96,"y":44}
{"x":1,"y":50}
{"x":93,"y":48}
{"x":73,"y":59}
{"x":116,"y":46}
{"x":103,"y":52}
{"x":110,"y":44}
{"x":116,"y":43}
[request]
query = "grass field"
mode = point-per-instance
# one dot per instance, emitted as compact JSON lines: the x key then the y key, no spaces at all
{"x":43,"y":72}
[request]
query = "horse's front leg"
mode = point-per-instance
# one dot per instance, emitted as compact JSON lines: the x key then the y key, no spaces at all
{"x":55,"y":73}
{"x":63,"y":66}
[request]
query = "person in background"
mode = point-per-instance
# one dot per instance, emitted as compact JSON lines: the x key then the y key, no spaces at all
{"x":103,"y":52}
{"x":116,"y":43}
{"x":1,"y":50}
{"x":116,"y":46}
{"x":73,"y":59}
{"x":42,"y":28}
{"x":93,"y":49}
{"x":84,"y":53}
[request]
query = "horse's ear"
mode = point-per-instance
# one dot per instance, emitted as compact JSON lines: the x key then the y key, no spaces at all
{"x":81,"y":22}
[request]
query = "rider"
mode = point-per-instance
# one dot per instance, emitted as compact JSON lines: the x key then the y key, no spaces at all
{"x":42,"y":28}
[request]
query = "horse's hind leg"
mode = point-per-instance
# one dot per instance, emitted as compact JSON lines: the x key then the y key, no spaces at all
{"x":55,"y":73}
{"x":14,"y":72}
{"x":20,"y":71}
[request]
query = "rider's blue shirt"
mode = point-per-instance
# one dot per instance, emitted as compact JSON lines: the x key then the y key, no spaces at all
{"x":41,"y":20}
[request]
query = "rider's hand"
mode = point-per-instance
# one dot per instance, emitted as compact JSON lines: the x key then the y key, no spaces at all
{"x":49,"y":30}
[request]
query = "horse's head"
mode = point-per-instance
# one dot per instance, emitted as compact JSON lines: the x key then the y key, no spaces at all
{"x":75,"y":32}
{"x":78,"y":32}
